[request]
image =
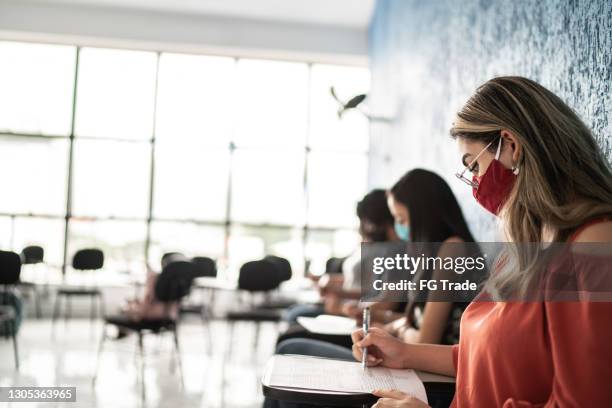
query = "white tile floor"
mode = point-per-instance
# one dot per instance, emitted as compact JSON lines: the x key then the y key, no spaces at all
{"x":218,"y":379}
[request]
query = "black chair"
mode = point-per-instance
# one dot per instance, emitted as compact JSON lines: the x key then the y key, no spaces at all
{"x":203,"y":267}
{"x":334,"y":265}
{"x":32,"y":255}
{"x":255,"y":277}
{"x":10,"y":269}
{"x":283,"y":268}
{"x":88,"y":260}
{"x":169,"y":257}
{"x":171,"y":286}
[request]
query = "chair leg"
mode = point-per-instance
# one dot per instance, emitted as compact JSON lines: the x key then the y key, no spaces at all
{"x":142,"y":366}
{"x":256,"y":339}
{"x":100,"y":347}
{"x":15,"y":347}
{"x":55,"y":314}
{"x":68,"y":311}
{"x":56,"y":308}
{"x":101,"y":310}
{"x":178,"y":354}
{"x":230,"y":337}
{"x":92,"y":309}
{"x":206,"y":326}
{"x":37,"y":303}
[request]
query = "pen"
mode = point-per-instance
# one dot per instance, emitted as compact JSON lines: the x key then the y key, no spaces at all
{"x":366,"y":326}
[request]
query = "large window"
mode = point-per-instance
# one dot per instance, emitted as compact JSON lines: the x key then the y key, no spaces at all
{"x":141,"y":153}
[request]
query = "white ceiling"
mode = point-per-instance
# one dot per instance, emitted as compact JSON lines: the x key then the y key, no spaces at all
{"x":343,"y":13}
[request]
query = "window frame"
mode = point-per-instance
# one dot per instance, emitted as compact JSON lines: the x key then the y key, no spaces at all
{"x":228,"y":223}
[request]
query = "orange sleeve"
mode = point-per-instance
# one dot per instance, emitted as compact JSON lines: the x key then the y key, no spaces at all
{"x":580,"y":335}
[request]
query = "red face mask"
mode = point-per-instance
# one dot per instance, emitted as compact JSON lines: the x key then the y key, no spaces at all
{"x":495,"y":185}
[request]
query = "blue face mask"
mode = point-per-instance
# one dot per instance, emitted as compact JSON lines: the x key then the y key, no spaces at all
{"x":402,"y":231}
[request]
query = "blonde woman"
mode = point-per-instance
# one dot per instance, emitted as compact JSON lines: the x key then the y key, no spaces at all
{"x":537,"y":166}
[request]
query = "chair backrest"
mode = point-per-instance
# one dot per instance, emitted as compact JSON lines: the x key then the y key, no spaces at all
{"x":174,"y":281}
{"x":88,"y":259}
{"x":32,"y":254}
{"x":170,"y":257}
{"x":283,"y":266}
{"x":258,"y":276}
{"x":204,"y":267}
{"x":10,"y":267}
{"x":334,"y":265}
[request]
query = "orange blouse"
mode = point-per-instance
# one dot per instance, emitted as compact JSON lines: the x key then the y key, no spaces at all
{"x":538,"y":354}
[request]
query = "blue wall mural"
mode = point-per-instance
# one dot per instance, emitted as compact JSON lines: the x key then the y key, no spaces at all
{"x":427,"y":57}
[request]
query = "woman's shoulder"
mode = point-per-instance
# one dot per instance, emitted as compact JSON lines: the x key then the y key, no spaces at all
{"x":597,"y":231}
{"x":451,"y":246}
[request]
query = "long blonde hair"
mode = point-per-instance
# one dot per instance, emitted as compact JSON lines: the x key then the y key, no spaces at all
{"x":564,"y":178}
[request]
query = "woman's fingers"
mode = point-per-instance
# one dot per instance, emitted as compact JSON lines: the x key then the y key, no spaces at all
{"x":374,"y":361}
{"x":357,"y":352}
{"x":386,"y":403}
{"x":374,"y":332}
{"x":373,"y":337}
{"x":398,"y":399}
{"x":394,"y":394}
{"x":357,"y":335}
{"x":371,"y":360}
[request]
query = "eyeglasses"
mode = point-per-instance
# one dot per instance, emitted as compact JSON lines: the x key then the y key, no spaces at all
{"x":470,"y":166}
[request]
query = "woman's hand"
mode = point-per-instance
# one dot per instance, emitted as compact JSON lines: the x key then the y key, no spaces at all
{"x":352,"y":310}
{"x":410,"y":335}
{"x":383,"y":348}
{"x":330,"y":283}
{"x":395,"y":326}
{"x":397,"y":399}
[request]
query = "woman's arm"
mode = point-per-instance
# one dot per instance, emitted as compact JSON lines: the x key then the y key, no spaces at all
{"x":388,"y":351}
{"x":436,"y":311}
{"x":379,"y":311}
{"x":580,"y":335}
{"x":396,"y":327}
{"x":433,"y":324}
{"x":348,"y":294}
{"x":433,"y":358}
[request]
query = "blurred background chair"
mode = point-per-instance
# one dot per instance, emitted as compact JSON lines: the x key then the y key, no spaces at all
{"x":255,"y":277}
{"x":283,"y":268}
{"x":84,"y":260}
{"x":203,"y":267}
{"x":10,"y":304}
{"x":171,"y":286}
{"x":33,"y":256}
{"x":334,"y":265}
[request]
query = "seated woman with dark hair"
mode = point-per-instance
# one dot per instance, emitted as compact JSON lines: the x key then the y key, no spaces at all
{"x":426,"y":211}
{"x":375,"y":225}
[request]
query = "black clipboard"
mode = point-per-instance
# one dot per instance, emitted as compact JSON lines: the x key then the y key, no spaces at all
{"x":329,"y":399}
{"x":435,"y":387}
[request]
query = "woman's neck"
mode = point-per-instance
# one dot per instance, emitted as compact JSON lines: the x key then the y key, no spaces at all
{"x":549,"y":234}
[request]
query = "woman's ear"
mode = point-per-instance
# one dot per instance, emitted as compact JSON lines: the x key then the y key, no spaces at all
{"x":511,"y":140}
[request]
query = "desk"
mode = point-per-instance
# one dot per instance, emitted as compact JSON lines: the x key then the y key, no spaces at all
{"x":438,"y":385}
{"x":214,"y":283}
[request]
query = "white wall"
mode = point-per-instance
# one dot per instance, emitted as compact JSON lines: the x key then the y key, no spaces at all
{"x":181,"y":32}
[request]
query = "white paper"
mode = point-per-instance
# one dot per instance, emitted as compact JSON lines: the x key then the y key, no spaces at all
{"x":321,"y":374}
{"x":328,"y":324}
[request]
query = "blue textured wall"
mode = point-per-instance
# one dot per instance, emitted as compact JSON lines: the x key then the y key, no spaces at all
{"x":427,"y":57}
